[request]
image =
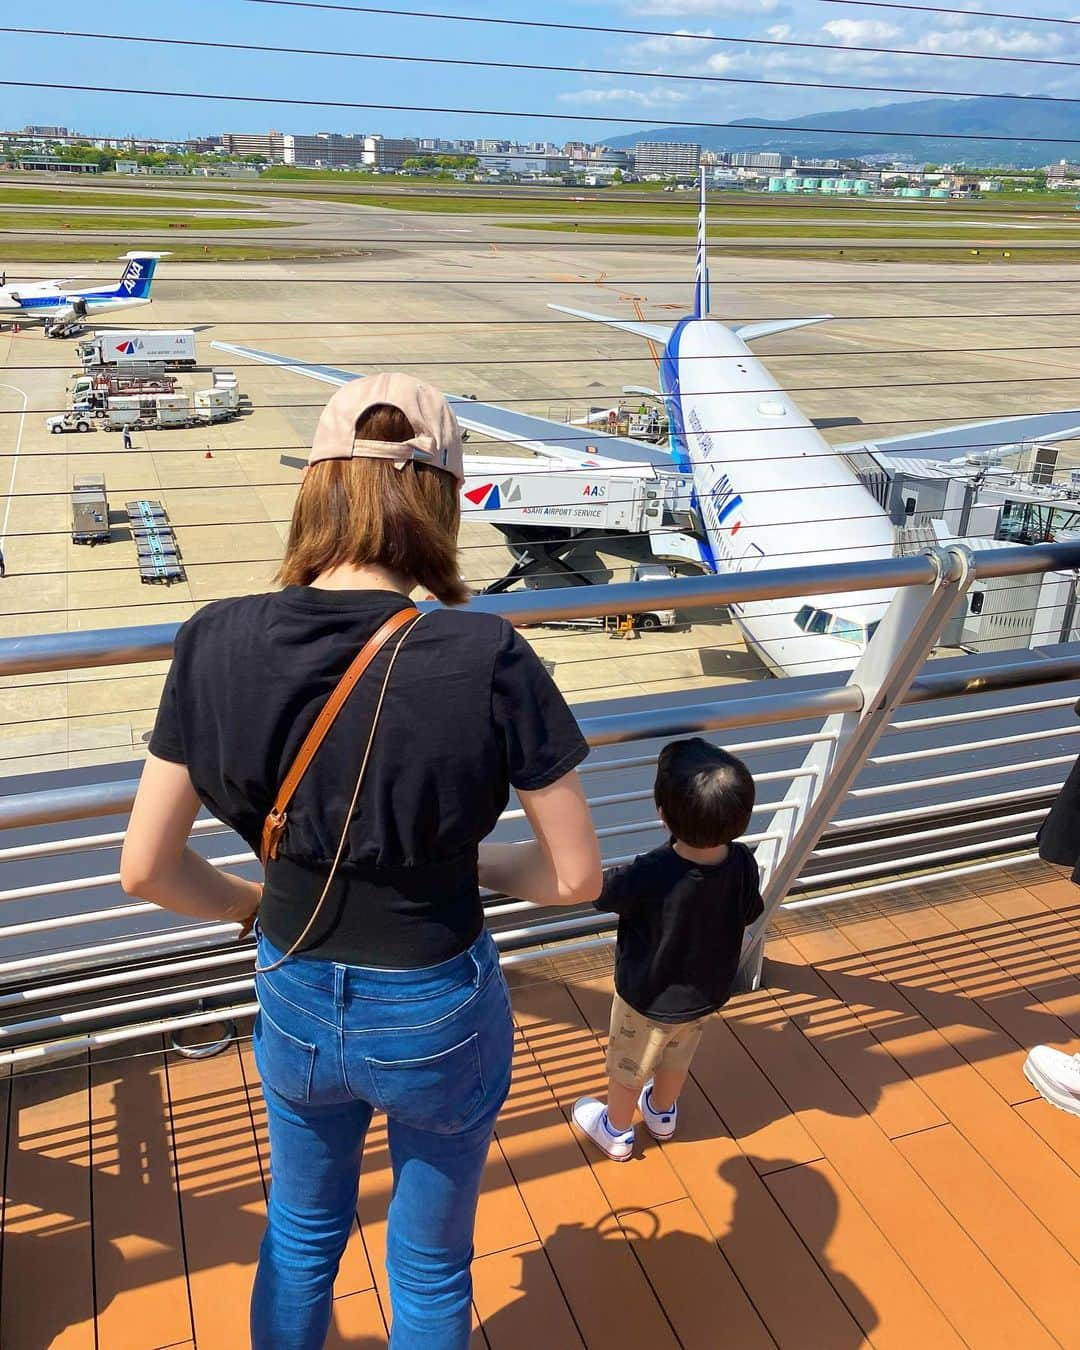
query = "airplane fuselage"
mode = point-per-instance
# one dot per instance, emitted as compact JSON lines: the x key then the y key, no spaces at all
{"x":770,"y":492}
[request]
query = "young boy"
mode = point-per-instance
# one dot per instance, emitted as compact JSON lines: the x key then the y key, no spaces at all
{"x":683,"y":910}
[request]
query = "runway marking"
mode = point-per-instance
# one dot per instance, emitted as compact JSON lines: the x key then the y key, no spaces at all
{"x":14,"y":458}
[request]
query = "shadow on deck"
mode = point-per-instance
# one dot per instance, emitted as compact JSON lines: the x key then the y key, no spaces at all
{"x":860,"y":1161}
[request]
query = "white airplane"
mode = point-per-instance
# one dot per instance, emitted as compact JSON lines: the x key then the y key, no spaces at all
{"x":62,"y":310}
{"x":760,"y":485}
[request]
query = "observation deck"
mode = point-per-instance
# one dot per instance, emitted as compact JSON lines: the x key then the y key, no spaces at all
{"x":860,"y":1160}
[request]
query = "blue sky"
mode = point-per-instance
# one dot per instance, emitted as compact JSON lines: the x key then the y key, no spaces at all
{"x":587,"y":99}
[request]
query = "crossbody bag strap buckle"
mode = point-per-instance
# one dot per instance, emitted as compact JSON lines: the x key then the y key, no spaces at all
{"x":273,"y":829}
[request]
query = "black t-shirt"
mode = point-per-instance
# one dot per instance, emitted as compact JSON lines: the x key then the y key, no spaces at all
{"x":470,"y":711}
{"x":681,"y":928}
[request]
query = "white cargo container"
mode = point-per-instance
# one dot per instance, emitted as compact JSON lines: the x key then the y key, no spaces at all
{"x":135,"y":347}
{"x":219,"y":404}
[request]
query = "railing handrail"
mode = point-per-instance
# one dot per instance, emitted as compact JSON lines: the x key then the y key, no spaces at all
{"x":43,"y":652}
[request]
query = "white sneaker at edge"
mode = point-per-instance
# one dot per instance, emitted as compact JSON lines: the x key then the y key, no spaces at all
{"x":590,"y":1116}
{"x":1057,"y":1077}
{"x":660,"y":1124}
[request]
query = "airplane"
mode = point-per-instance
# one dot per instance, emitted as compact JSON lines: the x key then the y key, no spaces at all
{"x":756,"y":483}
{"x":62,"y":310}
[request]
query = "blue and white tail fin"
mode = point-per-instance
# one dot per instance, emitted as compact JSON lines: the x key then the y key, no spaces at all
{"x":138,"y":276}
{"x":701,"y":276}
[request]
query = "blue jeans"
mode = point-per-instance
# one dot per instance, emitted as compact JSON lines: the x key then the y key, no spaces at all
{"x":431,"y":1048}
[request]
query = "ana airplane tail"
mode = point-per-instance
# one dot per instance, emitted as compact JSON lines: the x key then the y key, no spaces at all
{"x":701,"y":274}
{"x":138,"y":276}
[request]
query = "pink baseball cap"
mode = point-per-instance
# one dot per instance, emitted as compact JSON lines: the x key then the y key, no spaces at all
{"x":436,"y":438}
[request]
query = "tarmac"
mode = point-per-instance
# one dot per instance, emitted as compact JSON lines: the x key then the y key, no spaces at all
{"x":450,"y":300}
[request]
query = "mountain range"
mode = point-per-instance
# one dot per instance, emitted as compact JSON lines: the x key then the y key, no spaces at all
{"x":939,"y":130}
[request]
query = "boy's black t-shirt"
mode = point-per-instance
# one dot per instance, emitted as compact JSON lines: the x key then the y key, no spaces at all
{"x":681,"y":928}
{"x":470,"y":711}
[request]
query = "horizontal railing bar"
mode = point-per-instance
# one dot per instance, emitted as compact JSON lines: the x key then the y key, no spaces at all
{"x":39,"y":653}
{"x":947,"y":719}
{"x":932,"y":685}
{"x":917,"y":836}
{"x":77,"y":843}
{"x":55,"y":962}
{"x":880,"y":789}
{"x":100,"y":880}
{"x":94,"y":1040}
{"x":906,"y":756}
{"x":939,"y":855}
{"x":135,"y":974}
{"x":906,"y":883}
{"x":74,"y":1017}
{"x":643,"y":761}
{"x":909,"y":812}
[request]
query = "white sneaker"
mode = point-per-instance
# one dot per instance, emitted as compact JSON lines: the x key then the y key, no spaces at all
{"x":590,"y":1116}
{"x":660,"y":1124}
{"x":1057,"y":1077}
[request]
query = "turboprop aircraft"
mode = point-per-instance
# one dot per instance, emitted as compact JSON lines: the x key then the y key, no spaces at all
{"x":63,"y":310}
{"x":747,"y":481}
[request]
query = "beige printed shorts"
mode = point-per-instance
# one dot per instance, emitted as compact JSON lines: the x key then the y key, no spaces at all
{"x":638,"y":1046}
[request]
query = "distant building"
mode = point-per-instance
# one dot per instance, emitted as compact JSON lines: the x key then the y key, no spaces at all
{"x":126,"y":166}
{"x":270,"y":144}
{"x":520,"y":162}
{"x":386,"y":152}
{"x":760,"y":159}
{"x":324,"y":150}
{"x":49,"y":164}
{"x":666,"y":159}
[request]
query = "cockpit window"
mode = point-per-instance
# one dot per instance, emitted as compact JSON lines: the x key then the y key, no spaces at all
{"x":821,"y":622}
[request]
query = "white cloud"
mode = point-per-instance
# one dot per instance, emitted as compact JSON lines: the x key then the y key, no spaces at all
{"x":994,"y":41}
{"x":853,"y":32}
{"x":639,"y":98}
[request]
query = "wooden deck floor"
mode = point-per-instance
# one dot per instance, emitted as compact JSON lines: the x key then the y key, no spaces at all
{"x":860,"y":1162}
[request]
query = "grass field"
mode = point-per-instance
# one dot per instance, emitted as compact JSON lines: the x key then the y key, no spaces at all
{"x":122,"y":224}
{"x":843,"y":230}
{"x":39,"y":196}
{"x":99,"y":251}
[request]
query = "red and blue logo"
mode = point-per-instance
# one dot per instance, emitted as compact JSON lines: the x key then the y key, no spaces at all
{"x":486,"y":497}
{"x":127,"y":348}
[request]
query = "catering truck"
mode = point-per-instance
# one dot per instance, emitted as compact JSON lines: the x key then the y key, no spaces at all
{"x":135,"y":349}
{"x":221,"y":403}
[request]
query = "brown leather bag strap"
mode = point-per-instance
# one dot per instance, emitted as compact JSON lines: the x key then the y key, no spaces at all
{"x":274,"y":825}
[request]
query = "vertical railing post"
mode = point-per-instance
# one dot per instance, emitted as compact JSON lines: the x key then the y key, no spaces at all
{"x":894,"y":656}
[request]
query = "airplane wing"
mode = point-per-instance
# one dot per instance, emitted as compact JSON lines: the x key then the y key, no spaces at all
{"x":655,"y":332}
{"x":999,"y":433}
{"x":584,"y":446}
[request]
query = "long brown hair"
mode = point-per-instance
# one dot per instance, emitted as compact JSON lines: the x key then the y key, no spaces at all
{"x":368,"y":512}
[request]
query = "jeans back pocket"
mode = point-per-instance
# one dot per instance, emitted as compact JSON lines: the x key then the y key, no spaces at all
{"x":441,"y":1093}
{"x":284,"y":1061}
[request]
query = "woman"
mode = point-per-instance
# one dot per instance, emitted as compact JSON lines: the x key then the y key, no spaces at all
{"x":377,"y":984}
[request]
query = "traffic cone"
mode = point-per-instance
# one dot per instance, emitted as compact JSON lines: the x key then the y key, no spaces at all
{"x":209,"y":453}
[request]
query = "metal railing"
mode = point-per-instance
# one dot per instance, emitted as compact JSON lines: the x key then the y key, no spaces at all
{"x":845,"y":808}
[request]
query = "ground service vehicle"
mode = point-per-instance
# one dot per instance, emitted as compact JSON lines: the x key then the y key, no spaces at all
{"x":134,"y":347}
{"x":89,"y":509}
{"x":78,"y":419}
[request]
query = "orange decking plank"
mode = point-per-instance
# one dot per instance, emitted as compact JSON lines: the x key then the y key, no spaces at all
{"x":1029,"y":1166}
{"x":1055,"y":937}
{"x":1058,"y":1128}
{"x":747,"y":1102}
{"x":756,"y":1239}
{"x":882,"y":1086}
{"x":139,"y":1267}
{"x":953,"y":940}
{"x":358,"y":1323}
{"x":891,"y":1306}
{"x":47,"y":1298}
{"x":221,"y":1193}
{"x":974,"y":1297}
{"x":572,"y":1062}
{"x":1041,"y":1271}
{"x":897,"y":956}
{"x":354,"y":1274}
{"x":519,"y":1301}
{"x":692,"y":1279}
{"x":610,"y":1300}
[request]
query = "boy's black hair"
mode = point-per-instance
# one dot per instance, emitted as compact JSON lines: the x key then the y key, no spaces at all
{"x":705,"y":795}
